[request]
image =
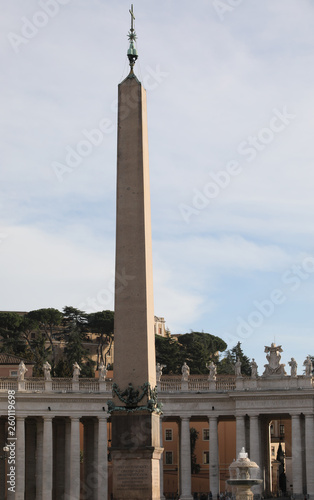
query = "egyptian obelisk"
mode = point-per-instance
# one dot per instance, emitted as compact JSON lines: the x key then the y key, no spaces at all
{"x":134,"y":411}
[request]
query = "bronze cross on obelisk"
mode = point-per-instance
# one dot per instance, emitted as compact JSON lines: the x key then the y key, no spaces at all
{"x":132,"y":16}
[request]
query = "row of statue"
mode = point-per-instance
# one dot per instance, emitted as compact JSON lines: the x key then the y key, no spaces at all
{"x":272,"y":368}
{"x":102,"y":370}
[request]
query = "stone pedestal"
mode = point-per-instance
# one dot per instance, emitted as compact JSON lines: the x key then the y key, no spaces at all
{"x":135,"y":455}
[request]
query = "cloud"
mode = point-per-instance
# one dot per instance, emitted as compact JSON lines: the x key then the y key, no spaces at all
{"x":224,"y":79}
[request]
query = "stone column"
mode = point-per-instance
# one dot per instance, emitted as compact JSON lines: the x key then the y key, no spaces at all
{"x":309,"y":456}
{"x":296,"y":456}
{"x":47,"y":458}
{"x":240,"y":430}
{"x":89,"y":484}
{"x":255,"y":448}
{"x":58,"y":437}
{"x":20,"y":458}
{"x":30,"y":458}
{"x":3,"y":479}
{"x":67,"y":457}
{"x":75,"y":458}
{"x":185,"y":459}
{"x":254,"y":452}
{"x":213,"y":456}
{"x":162,"y":497}
{"x":102,"y":459}
{"x":39,"y":460}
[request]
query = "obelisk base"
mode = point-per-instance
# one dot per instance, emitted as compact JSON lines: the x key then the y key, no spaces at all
{"x":136,"y":456}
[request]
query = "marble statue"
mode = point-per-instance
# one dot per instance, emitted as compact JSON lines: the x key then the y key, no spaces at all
{"x":76,"y":372}
{"x":22,"y":371}
{"x":159,"y":369}
{"x":253,"y":368}
{"x":185,"y":372}
{"x":308,"y":367}
{"x":102,"y":371}
{"x":237,"y":368}
{"x":47,"y":370}
{"x":273,"y":357}
{"x":294,"y":366}
{"x":212,"y":370}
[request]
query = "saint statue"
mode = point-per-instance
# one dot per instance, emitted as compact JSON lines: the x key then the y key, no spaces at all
{"x":185,"y":372}
{"x":47,"y":369}
{"x":76,"y":372}
{"x":22,"y":371}
{"x":293,"y":365}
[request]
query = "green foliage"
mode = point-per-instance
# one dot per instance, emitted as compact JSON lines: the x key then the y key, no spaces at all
{"x":195,"y":467}
{"x":75,"y":328}
{"x":63,"y":369}
{"x":40,"y":354}
{"x":200,"y":348}
{"x":12,"y":338}
{"x":102,"y":324}
{"x":46,"y":321}
{"x":226,"y":365}
{"x":196,"y":348}
{"x":168,"y":352}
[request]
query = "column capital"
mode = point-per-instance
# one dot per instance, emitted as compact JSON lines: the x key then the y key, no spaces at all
{"x":254,"y":415}
{"x":212,"y":417}
{"x":185,"y":418}
{"x":295,"y":415}
{"x":102,"y":419}
{"x":48,"y":418}
{"x":75,"y":418}
{"x":20,"y":418}
{"x":308,"y":415}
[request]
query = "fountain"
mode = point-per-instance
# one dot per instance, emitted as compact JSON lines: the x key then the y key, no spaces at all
{"x":243,"y":475}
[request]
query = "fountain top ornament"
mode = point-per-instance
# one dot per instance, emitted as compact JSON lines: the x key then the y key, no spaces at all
{"x":243,"y":465}
{"x":244,"y":474}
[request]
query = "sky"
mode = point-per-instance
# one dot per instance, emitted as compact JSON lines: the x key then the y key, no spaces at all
{"x":230,"y":121}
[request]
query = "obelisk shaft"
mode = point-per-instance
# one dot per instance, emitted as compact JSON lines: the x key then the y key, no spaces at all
{"x":135,"y":445}
{"x":134,"y":359}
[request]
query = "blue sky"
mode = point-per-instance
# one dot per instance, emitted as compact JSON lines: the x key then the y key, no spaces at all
{"x":230,"y":113}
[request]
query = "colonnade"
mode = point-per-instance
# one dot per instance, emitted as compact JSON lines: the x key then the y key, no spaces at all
{"x":249,"y":435}
{"x":48,"y":458}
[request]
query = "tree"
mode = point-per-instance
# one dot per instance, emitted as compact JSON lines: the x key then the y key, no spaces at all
{"x":198,"y":348}
{"x":75,"y":334}
{"x":226,"y":365}
{"x":168,"y":352}
{"x":13,"y":341}
{"x":102,"y":324}
{"x":48,"y":321}
{"x":17,"y":338}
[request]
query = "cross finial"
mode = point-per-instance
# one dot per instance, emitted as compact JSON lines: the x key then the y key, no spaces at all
{"x":132,"y":16}
{"x":132,"y":52}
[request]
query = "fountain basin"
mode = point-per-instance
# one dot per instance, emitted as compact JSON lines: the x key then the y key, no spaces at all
{"x":244,"y":482}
